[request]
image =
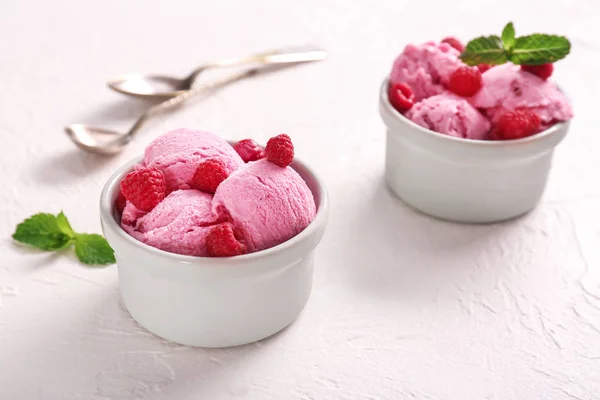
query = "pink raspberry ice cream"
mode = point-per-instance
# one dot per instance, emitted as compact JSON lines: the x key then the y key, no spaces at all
{"x":265,"y":202}
{"x":178,"y":224}
{"x":426,"y":68}
{"x":178,"y":153}
{"x":507,"y":88}
{"x":450,"y":114}
{"x":430,"y":85}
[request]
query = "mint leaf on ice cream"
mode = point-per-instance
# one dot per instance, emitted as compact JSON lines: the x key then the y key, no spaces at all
{"x":50,"y":232}
{"x":539,"y":49}
{"x":484,"y":50}
{"x":533,"y":49}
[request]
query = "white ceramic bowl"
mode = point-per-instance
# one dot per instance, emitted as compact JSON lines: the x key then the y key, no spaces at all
{"x":465,"y":180}
{"x":214,"y":302}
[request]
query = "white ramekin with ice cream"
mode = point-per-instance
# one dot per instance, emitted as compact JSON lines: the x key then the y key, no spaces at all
{"x":168,"y":281}
{"x":441,"y":154}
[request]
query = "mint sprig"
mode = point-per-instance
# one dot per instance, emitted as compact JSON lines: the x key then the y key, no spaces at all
{"x":50,"y":232}
{"x":533,"y":49}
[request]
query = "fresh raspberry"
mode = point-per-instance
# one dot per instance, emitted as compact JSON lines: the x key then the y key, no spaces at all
{"x":454,"y":42}
{"x":544,"y":71}
{"x":144,"y":188}
{"x":249,"y":150}
{"x":280,"y":150}
{"x":121,"y":202}
{"x":465,"y":81}
{"x":484,"y":67}
{"x":209,"y":175}
{"x":517,"y":124}
{"x":221,"y":241}
{"x":401,"y":97}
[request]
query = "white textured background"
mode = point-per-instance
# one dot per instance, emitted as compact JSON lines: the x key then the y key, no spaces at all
{"x":403,"y":307}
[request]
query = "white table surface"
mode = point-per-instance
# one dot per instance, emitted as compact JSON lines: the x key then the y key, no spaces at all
{"x":403,"y":306}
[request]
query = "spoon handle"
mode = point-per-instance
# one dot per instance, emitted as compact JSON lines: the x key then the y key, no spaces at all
{"x":287,"y":55}
{"x":173,"y":102}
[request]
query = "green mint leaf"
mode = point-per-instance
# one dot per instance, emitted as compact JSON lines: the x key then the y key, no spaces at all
{"x":539,"y":49}
{"x":93,"y":249}
{"x":54,"y":232}
{"x":484,"y":50}
{"x":64,"y":225}
{"x":42,"y":231}
{"x":508,"y":37}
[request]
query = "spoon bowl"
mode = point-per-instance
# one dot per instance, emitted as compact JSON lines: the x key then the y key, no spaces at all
{"x":97,"y":140}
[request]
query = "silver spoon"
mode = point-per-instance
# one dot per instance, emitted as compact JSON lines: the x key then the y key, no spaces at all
{"x":163,"y":86}
{"x":105,"y":141}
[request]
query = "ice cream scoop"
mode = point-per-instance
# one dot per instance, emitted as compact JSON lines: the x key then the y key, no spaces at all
{"x":426,"y":68}
{"x":450,"y":114}
{"x":178,"y":153}
{"x":266,"y":203}
{"x":178,"y":224}
{"x":507,"y":88}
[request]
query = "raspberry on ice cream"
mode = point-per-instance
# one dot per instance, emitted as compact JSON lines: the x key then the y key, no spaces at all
{"x":222,"y":242}
{"x":280,"y":150}
{"x":465,"y":81}
{"x":544,"y":71}
{"x":426,"y":68}
{"x":144,"y":187}
{"x":249,"y":150}
{"x":517,"y":125}
{"x":454,"y":42}
{"x":401,"y":97}
{"x":450,"y":114}
{"x":209,"y":175}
